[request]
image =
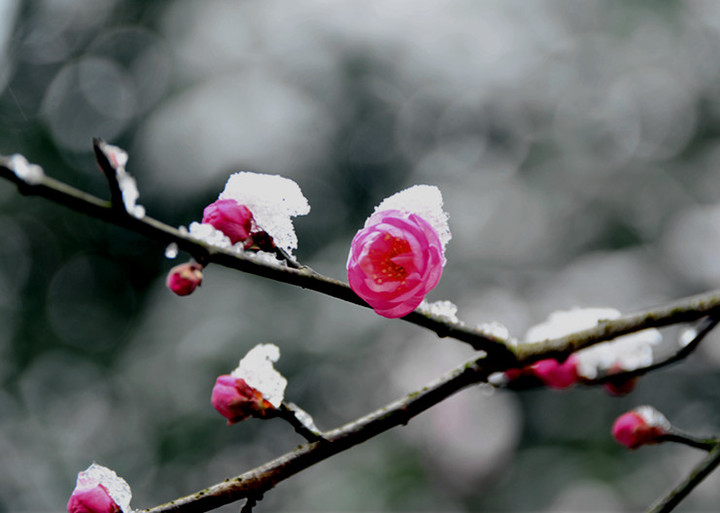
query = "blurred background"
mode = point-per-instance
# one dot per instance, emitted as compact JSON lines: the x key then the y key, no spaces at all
{"x":576,"y":147}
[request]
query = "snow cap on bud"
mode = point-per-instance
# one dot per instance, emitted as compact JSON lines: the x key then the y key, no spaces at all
{"x":253,"y":388}
{"x":641,"y":426}
{"x":273,"y":201}
{"x":231,"y":218}
{"x":99,"y":490}
{"x":398,"y":257}
{"x":183,"y":279}
{"x":555,"y":374}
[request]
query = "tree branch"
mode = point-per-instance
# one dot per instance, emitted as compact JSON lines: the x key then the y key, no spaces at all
{"x":261,"y":479}
{"x":682,"y":490}
{"x":205,"y":254}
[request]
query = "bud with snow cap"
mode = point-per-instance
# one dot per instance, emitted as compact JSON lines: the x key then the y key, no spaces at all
{"x":253,"y":205}
{"x":231,"y":218}
{"x":641,"y":426}
{"x":398,"y":257}
{"x":99,"y":490}
{"x":253,"y":389}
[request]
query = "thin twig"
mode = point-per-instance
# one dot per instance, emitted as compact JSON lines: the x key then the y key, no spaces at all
{"x":299,"y":420}
{"x":265,"y":477}
{"x":682,"y":490}
{"x":704,"y":444}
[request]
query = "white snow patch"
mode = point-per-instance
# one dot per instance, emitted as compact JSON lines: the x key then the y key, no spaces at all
{"x":626,"y":353}
{"x":127,"y":184}
{"x":117,"y":487}
{"x":425,"y":201}
{"x":273,"y":201}
{"x":445,"y":310}
{"x":209,"y":234}
{"x":256,"y":368}
{"x":32,"y":174}
{"x":497,"y":330}
{"x":653,"y":417}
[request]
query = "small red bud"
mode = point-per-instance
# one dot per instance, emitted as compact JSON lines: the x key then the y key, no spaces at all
{"x":641,"y":426}
{"x":231,"y":218}
{"x":183,"y":279}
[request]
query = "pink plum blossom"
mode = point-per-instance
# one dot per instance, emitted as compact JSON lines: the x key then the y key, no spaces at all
{"x":555,"y":374}
{"x":183,"y":279}
{"x":231,"y":218}
{"x":394,"y":261}
{"x":641,"y":426}
{"x":99,"y":490}
{"x":236,"y":400}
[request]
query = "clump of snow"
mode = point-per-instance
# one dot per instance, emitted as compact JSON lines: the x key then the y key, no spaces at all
{"x":495,"y":329}
{"x":171,"y":251}
{"x":265,"y":257}
{"x":653,"y":417}
{"x":304,"y":418}
{"x":32,"y":174}
{"x":273,"y":201}
{"x":498,"y":379}
{"x":128,"y":186}
{"x":256,"y":368}
{"x":118,"y":489}
{"x":425,"y":201}
{"x":687,"y":336}
{"x":209,"y":234}
{"x":564,"y":322}
{"x":625,"y":353}
{"x":445,"y":310}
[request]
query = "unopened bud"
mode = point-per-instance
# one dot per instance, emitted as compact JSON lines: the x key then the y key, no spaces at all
{"x":231,"y":218}
{"x":555,"y":374}
{"x":183,"y":279}
{"x":641,"y":426}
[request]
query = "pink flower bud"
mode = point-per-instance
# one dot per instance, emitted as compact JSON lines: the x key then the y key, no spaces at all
{"x":99,"y":490}
{"x":236,"y":400}
{"x":231,"y":218}
{"x":555,"y":374}
{"x":394,"y":261}
{"x":643,"y":425}
{"x":92,"y":500}
{"x":620,"y":388}
{"x":183,"y":279}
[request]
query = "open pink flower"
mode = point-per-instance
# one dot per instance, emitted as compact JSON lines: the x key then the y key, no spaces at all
{"x":394,"y":261}
{"x":231,"y":218}
{"x":555,"y":374}
{"x":99,"y":490}
{"x":641,"y":426}
{"x":183,"y":279}
{"x":236,"y":400}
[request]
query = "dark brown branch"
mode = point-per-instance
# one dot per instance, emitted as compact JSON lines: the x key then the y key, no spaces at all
{"x":684,"y":310}
{"x":205,"y":254}
{"x":682,"y":490}
{"x":265,"y":477}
